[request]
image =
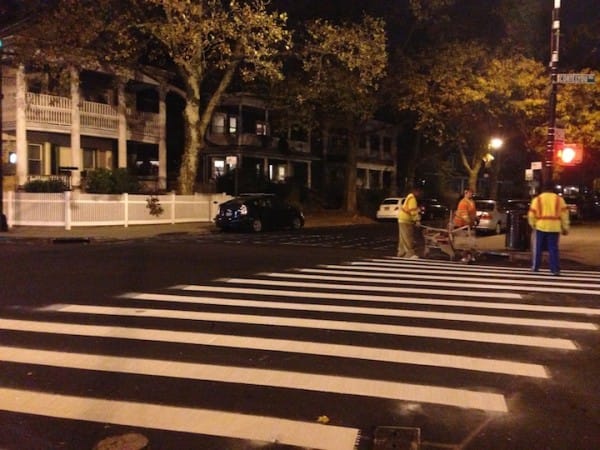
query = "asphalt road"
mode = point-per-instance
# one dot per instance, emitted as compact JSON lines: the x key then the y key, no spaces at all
{"x":229,"y":341}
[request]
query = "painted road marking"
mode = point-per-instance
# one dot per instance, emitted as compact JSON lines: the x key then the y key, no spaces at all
{"x":456,"y":276}
{"x":461,"y":398}
{"x":186,"y":420}
{"x":471,"y":267}
{"x":492,"y":271}
{"x":387,"y":312}
{"x":283,"y":345}
{"x":357,"y":327}
{"x":460,"y":286}
{"x":362,"y":287}
{"x":390,"y":299}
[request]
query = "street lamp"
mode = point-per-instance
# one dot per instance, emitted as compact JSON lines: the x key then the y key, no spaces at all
{"x":496,"y":143}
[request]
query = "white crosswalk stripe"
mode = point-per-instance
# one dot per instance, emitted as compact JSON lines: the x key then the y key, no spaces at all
{"x":311,"y":312}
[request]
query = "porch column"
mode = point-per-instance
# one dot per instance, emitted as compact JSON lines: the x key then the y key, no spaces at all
{"x":368,"y":178}
{"x":75,"y":129}
{"x":162,"y":139}
{"x":309,"y":174}
{"x":21,"y":126}
{"x":121,"y":126}
{"x":266,"y":168}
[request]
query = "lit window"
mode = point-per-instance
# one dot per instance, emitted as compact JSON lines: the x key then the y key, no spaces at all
{"x":232,"y":125}
{"x":261,"y":128}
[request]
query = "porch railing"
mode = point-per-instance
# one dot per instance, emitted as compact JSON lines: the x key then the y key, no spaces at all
{"x":44,"y":110}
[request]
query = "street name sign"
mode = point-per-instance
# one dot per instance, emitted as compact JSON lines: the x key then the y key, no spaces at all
{"x":575,"y":78}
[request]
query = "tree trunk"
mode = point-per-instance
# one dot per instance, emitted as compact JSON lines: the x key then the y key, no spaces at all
{"x":189,"y":161}
{"x":472,"y":169}
{"x":350,"y":200}
{"x":196,"y":124}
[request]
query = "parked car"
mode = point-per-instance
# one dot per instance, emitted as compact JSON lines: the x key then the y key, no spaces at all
{"x":573,"y":205}
{"x":432,"y":209}
{"x":258,"y":212}
{"x":389,"y":208}
{"x":491,"y":216}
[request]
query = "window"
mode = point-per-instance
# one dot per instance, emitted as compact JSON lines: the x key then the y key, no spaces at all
{"x":218,"y":123}
{"x":34,"y":159}
{"x":374,"y":144}
{"x":387,"y":145}
{"x":232,"y":125}
{"x":89,"y":159}
{"x":218,"y":168}
{"x":261,"y":128}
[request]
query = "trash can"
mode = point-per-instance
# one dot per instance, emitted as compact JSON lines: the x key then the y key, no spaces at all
{"x":518,"y":231}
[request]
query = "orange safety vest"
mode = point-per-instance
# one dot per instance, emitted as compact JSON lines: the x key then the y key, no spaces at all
{"x":409,"y":213}
{"x":548,"y":212}
{"x":465,"y":213}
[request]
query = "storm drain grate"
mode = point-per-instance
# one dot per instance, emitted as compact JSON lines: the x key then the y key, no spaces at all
{"x":397,"y":438}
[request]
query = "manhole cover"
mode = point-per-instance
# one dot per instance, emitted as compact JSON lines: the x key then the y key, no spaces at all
{"x":129,"y":441}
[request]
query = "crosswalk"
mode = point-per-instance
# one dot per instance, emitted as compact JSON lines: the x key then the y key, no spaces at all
{"x":251,"y":357}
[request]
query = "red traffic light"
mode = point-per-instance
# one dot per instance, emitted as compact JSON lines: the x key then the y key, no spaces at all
{"x":569,"y":154}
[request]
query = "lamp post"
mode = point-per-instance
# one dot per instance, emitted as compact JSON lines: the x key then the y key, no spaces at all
{"x":495,"y":144}
{"x":554,"y":47}
{"x":3,"y":224}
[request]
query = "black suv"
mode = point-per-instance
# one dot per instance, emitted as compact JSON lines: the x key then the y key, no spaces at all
{"x":258,"y":212}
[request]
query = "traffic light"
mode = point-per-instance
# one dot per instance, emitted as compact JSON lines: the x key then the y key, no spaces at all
{"x":569,"y":154}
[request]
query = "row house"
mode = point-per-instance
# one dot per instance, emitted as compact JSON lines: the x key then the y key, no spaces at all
{"x":240,"y":136}
{"x":62,"y":125}
{"x":376,"y":159}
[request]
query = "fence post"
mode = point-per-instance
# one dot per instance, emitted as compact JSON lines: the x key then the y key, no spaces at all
{"x":10,"y":208}
{"x":67,"y":206}
{"x":173,"y":198}
{"x":125,"y":197}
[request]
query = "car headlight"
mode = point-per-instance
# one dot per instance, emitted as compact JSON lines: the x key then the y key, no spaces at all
{"x":243,"y":210}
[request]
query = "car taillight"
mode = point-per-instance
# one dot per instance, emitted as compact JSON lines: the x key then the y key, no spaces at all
{"x":485,"y":216}
{"x":243,"y":210}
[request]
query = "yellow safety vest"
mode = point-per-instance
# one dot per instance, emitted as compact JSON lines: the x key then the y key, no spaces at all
{"x":548,"y":212}
{"x":409,"y":212}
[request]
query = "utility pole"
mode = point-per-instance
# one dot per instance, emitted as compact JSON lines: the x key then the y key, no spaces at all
{"x":554,"y":51}
{"x":3,"y":223}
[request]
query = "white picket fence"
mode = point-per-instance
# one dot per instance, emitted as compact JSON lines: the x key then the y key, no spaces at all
{"x":76,"y":209}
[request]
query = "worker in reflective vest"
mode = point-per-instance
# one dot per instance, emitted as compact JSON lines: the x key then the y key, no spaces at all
{"x":408,"y":217}
{"x":466,"y":211}
{"x":548,"y":216}
{"x":466,"y":215}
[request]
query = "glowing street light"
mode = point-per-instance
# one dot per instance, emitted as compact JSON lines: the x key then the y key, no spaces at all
{"x":496,"y":143}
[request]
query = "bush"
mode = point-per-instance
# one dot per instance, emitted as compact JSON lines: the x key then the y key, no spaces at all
{"x":52,"y":185}
{"x":104,"y":181}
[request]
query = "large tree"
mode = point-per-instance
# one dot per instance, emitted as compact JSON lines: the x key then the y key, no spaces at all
{"x":205,"y":42}
{"x":344,"y":65}
{"x":462,"y":94}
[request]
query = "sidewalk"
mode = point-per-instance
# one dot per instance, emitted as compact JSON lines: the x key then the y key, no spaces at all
{"x":582,"y":245}
{"x":320,"y":219}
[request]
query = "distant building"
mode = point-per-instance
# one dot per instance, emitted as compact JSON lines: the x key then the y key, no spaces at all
{"x":240,"y":136}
